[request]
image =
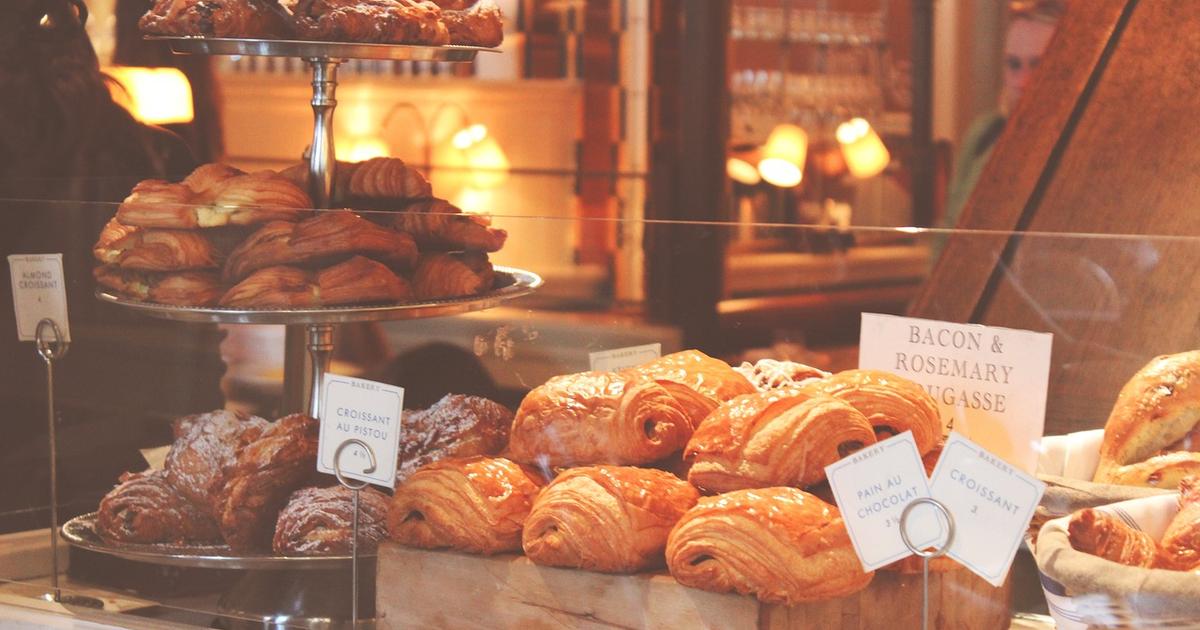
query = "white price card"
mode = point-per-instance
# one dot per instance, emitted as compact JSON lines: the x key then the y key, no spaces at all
{"x":991,"y":502}
{"x":989,"y":383}
{"x":872,"y":487}
{"x":621,"y":358}
{"x":39,"y":292}
{"x":357,"y":409}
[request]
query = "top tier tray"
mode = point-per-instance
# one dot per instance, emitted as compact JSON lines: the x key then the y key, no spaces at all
{"x":510,"y":283}
{"x":310,"y":49}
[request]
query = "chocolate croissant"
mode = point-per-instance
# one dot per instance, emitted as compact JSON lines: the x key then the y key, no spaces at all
{"x":892,"y":404}
{"x":179,"y":288}
{"x":774,"y":438}
{"x":1100,"y":534}
{"x":442,"y":276}
{"x":1179,"y":548}
{"x":1148,"y":435}
{"x":697,"y":381}
{"x":782,"y":545}
{"x":320,"y":521}
{"x":358,"y":280}
{"x":322,"y":238}
{"x":145,"y":508}
{"x":266,"y":472}
{"x":598,"y":418}
{"x":606,"y":518}
{"x":474,"y":504}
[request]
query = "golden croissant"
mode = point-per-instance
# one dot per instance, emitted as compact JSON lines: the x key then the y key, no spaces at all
{"x":156,"y":250}
{"x":892,"y":404}
{"x":475,"y":504}
{"x":699,"y":382}
{"x":613,"y":519}
{"x":178,"y":288}
{"x":436,"y":224}
{"x":212,"y":196}
{"x":782,"y":545}
{"x":1109,"y":537}
{"x":441,"y":276}
{"x":358,"y":280}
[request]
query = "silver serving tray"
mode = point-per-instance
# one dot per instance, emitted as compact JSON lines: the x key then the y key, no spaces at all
{"x":511,"y":283}
{"x":310,"y":49}
{"x":81,"y":532}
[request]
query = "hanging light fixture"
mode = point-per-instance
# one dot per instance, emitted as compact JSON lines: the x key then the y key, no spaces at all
{"x":742,"y":167}
{"x":866,"y":156}
{"x":783,"y":156}
{"x":155,"y":96}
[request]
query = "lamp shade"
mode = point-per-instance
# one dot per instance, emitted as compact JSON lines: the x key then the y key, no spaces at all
{"x":865,"y":154}
{"x":155,"y":96}
{"x":783,"y":158}
{"x":740,"y":167}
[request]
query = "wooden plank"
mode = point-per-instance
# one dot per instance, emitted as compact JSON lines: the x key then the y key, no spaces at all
{"x":1023,"y":156}
{"x":426,"y":589}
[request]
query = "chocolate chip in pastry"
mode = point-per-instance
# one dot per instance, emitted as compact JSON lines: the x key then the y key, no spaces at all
{"x":613,"y":519}
{"x":474,"y":504}
{"x":598,"y":418}
{"x":1100,"y":534}
{"x":145,"y":508}
{"x":319,"y":521}
{"x":266,"y":472}
{"x":444,"y":276}
{"x":782,"y":437}
{"x":455,"y":426}
{"x":892,"y":404}
{"x":699,"y":382}
{"x":1147,"y":438}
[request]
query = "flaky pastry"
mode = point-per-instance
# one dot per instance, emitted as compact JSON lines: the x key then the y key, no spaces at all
{"x":358,"y":280}
{"x":144,"y":508}
{"x":1104,"y":535}
{"x":892,"y":404}
{"x":222,"y":196}
{"x":1179,"y":548}
{"x":699,"y":382}
{"x":441,"y":276}
{"x":178,"y":288}
{"x":320,"y":521}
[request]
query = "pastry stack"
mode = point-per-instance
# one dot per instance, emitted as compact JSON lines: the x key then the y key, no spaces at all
{"x":1112,"y":538}
{"x":427,"y":22}
{"x":226,"y":238}
{"x":583,"y":482}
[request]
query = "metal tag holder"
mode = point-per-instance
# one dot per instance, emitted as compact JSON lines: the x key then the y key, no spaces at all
{"x":926,"y":555}
{"x":357,"y":487}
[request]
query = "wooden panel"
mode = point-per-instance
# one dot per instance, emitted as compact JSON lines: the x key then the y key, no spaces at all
{"x":512,"y":592}
{"x":1023,"y":156}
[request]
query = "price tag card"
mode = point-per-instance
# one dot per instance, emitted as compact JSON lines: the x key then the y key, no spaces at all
{"x":991,"y":502}
{"x":989,"y":383}
{"x":39,"y":292}
{"x":872,"y":487}
{"x":621,"y":358}
{"x":357,"y":409}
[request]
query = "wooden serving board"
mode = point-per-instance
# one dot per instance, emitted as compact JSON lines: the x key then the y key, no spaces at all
{"x":432,"y":589}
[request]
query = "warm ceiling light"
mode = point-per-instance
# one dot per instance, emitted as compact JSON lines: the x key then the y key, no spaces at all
{"x":488,"y":163}
{"x":363,"y":149}
{"x":783,"y":156}
{"x":155,"y":96}
{"x":865,"y":154}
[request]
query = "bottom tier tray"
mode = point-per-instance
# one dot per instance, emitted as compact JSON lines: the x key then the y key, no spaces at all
{"x":418,"y":589}
{"x":81,"y":532}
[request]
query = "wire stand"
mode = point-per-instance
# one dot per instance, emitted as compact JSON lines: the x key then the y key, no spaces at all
{"x":357,"y":487}
{"x":926,"y":555}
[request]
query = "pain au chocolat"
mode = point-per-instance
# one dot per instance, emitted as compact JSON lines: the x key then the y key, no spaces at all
{"x":781,"y":545}
{"x":782,"y":437}
{"x":891,"y":404}
{"x":598,"y":418}
{"x":475,"y":504}
{"x":613,"y":519}
{"x":697,"y":381}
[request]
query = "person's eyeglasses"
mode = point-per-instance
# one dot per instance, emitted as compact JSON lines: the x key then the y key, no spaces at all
{"x":1015,"y":64}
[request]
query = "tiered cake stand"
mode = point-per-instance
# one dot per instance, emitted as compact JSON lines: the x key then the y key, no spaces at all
{"x":314,"y":325}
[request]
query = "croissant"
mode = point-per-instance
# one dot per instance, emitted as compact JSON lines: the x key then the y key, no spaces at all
{"x":455,"y":426}
{"x":606,"y":518}
{"x":436,"y":224}
{"x":158,"y":250}
{"x":358,"y":280}
{"x":891,"y":404}
{"x":1147,"y":438}
{"x":480,"y":25}
{"x":375,"y":179}
{"x":256,"y":19}
{"x":697,"y":381}
{"x":442,"y":276}
{"x":327,"y":236}
{"x":475,"y":504}
{"x":597,"y":418}
{"x":777,"y":438}
{"x":207,"y":447}
{"x":781,"y":545}
{"x":320,"y":521}
{"x":268,"y":469}
{"x":222,"y":196}
{"x":1179,"y":548}
{"x":1108,"y":537}
{"x":144,"y":508}
{"x":768,"y":374}
{"x":182,"y":288}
